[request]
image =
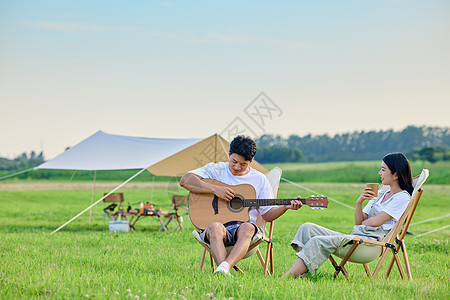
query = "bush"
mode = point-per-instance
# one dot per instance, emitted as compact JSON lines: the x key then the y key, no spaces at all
{"x":432,"y":153}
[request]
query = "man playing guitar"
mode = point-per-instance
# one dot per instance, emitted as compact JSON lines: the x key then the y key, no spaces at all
{"x":235,"y":172}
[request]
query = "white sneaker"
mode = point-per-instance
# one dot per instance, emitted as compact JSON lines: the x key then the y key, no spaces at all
{"x":223,"y":269}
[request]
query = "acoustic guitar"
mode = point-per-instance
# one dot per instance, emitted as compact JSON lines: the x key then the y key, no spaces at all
{"x":207,"y":208}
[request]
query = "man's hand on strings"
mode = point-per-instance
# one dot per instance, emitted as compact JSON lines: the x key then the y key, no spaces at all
{"x":224,"y":192}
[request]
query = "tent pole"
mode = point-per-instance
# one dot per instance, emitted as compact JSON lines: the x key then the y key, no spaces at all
{"x":153,"y":188}
{"x":215,"y":148}
{"x":92,"y":197}
{"x":96,"y":202}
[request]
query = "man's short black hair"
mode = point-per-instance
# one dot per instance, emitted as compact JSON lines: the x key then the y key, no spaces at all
{"x":243,"y":146}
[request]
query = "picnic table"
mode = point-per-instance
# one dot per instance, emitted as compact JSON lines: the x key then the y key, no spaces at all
{"x":136,"y":214}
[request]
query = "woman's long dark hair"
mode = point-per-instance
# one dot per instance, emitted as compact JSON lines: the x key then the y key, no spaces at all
{"x":398,"y":163}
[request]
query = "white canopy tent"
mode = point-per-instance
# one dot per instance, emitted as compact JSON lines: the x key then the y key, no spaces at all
{"x":103,"y":151}
{"x":161,"y":157}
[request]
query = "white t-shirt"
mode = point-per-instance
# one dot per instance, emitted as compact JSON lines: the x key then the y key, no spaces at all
{"x":221,"y":172}
{"x":394,"y":206}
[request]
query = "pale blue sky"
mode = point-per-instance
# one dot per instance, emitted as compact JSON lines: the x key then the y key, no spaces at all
{"x":185,"y":69}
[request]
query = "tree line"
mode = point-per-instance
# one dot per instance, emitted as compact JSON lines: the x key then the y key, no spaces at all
{"x":418,"y":143}
{"x":23,"y":161}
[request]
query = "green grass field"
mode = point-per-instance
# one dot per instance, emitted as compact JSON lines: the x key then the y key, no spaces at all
{"x":355,"y":171}
{"x":85,"y":260}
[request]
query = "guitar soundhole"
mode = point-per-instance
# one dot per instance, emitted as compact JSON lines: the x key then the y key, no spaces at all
{"x":236,"y":203}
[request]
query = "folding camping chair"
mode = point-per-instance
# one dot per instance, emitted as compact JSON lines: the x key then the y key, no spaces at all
{"x":274,"y":178}
{"x":178,"y":203}
{"x":363,"y":251}
{"x":115,"y":201}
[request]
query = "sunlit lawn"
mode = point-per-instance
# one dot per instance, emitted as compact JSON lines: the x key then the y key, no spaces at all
{"x":85,"y":260}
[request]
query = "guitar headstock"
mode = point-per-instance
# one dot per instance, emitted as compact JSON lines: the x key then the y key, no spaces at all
{"x":317,"y":202}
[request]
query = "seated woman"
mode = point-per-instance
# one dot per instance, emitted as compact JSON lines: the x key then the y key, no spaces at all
{"x":316,"y":243}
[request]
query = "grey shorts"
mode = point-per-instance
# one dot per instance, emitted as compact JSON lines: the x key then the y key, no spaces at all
{"x":231,"y":228}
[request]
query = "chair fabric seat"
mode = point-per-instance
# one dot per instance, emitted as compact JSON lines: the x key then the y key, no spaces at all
{"x":363,"y":253}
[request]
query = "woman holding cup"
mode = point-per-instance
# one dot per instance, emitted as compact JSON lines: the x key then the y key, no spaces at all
{"x":314,"y":243}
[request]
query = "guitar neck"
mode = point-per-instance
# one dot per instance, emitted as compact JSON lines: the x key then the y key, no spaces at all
{"x":269,"y":202}
{"x":206,"y":208}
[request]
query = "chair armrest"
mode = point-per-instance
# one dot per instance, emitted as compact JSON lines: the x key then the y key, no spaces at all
{"x":367,"y":241}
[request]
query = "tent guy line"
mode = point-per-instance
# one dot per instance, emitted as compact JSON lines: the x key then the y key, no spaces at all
{"x":432,"y":219}
{"x":312,"y":191}
{"x":161,"y":157}
{"x":434,"y":230}
{"x":17,"y":173}
{"x":96,"y":202}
